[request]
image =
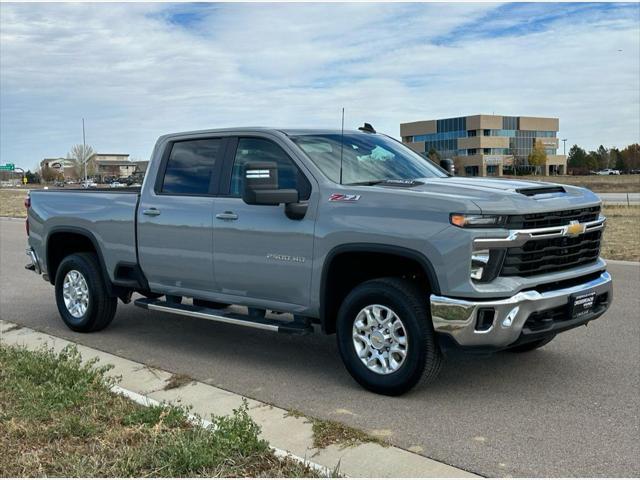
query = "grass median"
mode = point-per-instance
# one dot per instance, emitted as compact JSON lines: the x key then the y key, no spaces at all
{"x":59,"y":418}
{"x":595,"y":183}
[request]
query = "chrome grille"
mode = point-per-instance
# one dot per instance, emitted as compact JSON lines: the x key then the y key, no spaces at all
{"x":550,"y":255}
{"x":552,"y":219}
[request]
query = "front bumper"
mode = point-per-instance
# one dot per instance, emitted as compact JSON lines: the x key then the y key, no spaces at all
{"x":519,"y":318}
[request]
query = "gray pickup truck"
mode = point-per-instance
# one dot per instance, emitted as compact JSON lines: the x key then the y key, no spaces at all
{"x":352,"y":231}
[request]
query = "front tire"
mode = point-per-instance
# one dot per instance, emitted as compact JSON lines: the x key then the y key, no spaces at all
{"x":386,"y":338}
{"x":81,"y":294}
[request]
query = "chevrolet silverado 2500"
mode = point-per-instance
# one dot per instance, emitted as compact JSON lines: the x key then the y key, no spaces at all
{"x":283,"y":229}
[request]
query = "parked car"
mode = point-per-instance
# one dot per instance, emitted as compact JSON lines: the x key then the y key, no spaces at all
{"x":117,"y":185}
{"x":89,"y":184}
{"x":608,"y":171}
{"x":353,"y":232}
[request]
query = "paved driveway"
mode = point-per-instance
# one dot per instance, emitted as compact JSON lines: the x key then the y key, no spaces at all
{"x":569,"y":409}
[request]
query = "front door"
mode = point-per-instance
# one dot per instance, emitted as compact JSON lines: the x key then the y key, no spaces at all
{"x":260,"y":253}
{"x":175,"y":218}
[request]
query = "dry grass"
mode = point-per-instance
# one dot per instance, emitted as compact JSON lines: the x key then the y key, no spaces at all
{"x":12,"y":202}
{"x":58,"y":418}
{"x":328,"y":432}
{"x":595,"y":183}
{"x":622,"y":235}
{"x":177,"y":380}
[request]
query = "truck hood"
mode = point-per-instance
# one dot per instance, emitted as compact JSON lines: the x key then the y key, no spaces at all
{"x":508,"y":196}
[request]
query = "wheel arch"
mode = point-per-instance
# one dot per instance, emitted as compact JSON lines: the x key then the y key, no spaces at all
{"x":333,"y":289}
{"x":77,"y":239}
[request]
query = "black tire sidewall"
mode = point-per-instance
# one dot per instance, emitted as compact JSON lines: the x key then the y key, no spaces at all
{"x":411,"y":371}
{"x":87,"y":321}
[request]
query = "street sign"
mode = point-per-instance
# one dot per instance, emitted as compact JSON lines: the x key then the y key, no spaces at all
{"x":10,"y":167}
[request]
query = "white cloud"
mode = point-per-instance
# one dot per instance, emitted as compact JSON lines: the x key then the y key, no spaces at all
{"x":138,"y":71}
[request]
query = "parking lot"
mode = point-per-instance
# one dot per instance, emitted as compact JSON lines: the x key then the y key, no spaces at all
{"x":569,"y":409}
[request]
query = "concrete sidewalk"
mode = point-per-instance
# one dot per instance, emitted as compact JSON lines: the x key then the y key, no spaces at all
{"x":289,"y":433}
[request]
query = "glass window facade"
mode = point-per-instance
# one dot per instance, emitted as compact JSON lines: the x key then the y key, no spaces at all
{"x":449,"y":130}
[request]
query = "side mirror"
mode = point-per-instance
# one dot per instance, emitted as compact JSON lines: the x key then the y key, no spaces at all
{"x":261,"y":185}
{"x":447,"y":165}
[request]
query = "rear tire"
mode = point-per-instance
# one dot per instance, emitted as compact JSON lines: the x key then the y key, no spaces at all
{"x":81,"y":294}
{"x":527,"y":347}
{"x":386,"y":338}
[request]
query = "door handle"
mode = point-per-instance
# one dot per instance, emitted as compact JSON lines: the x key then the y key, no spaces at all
{"x":152,"y":212}
{"x":227,"y":216}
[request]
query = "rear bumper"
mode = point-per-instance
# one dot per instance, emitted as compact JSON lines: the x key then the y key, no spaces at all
{"x":514,"y":321}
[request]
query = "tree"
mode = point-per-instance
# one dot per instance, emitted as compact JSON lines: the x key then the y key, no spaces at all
{"x":49,"y":174}
{"x":631,"y":156}
{"x":79,"y":154}
{"x":579,"y":162}
{"x":602,"y":157}
{"x":434,"y":156}
{"x":538,"y":156}
{"x":616,"y":160}
{"x":32,"y":177}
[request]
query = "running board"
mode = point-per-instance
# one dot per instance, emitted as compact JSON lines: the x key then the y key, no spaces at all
{"x":225,"y":316}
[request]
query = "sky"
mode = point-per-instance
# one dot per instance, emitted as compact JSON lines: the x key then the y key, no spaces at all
{"x":137,"y":71}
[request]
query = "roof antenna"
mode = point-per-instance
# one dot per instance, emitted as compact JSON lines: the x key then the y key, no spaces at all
{"x":341,"y":144}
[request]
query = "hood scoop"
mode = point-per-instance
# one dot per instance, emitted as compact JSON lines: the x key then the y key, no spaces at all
{"x":535,"y":191}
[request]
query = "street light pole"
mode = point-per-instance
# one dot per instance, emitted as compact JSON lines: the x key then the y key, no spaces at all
{"x":564,"y":146}
{"x":84,"y":154}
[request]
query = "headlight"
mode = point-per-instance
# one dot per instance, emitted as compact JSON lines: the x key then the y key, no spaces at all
{"x":486,"y":264}
{"x":477,"y":221}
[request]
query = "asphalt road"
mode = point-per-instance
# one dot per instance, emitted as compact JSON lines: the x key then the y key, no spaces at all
{"x":620,"y":198}
{"x":569,"y":409}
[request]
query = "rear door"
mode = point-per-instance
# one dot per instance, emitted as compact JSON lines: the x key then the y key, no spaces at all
{"x":175,"y":217}
{"x":260,"y":253}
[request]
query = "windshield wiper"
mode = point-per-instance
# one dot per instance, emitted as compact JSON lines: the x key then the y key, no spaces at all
{"x":389,"y":181}
{"x":368,"y":182}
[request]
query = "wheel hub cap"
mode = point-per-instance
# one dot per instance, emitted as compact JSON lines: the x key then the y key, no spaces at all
{"x":380,"y":339}
{"x":75,"y":293}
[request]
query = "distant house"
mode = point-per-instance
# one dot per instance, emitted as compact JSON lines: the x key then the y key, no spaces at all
{"x":63,"y":166}
{"x":141,"y":167}
{"x":110,"y":165}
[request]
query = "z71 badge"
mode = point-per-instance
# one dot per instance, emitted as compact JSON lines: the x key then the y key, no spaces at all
{"x":341,"y":197}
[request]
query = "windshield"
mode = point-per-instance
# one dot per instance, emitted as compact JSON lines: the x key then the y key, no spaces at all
{"x":366,"y":158}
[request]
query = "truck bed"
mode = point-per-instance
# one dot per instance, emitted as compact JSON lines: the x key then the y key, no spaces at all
{"x":106,"y":215}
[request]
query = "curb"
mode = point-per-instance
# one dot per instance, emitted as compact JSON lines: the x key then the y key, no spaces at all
{"x":288,"y":435}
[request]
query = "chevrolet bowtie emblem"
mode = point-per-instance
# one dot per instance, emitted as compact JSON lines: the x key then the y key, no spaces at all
{"x":575,"y":228}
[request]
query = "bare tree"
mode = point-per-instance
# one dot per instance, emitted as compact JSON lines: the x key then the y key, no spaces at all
{"x":80,"y":154}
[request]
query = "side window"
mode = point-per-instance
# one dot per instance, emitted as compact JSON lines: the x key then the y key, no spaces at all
{"x":262,"y":150}
{"x":191,"y":166}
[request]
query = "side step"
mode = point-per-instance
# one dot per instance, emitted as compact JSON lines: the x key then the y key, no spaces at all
{"x":225,"y":316}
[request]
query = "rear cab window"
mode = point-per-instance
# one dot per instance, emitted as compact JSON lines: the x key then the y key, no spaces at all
{"x":193,"y":167}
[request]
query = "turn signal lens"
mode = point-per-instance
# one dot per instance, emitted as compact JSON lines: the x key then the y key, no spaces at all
{"x":477,"y":221}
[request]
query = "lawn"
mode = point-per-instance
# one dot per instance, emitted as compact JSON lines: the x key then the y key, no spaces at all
{"x":12,"y":202}
{"x":59,"y":418}
{"x":622,"y":235}
{"x":595,"y":183}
